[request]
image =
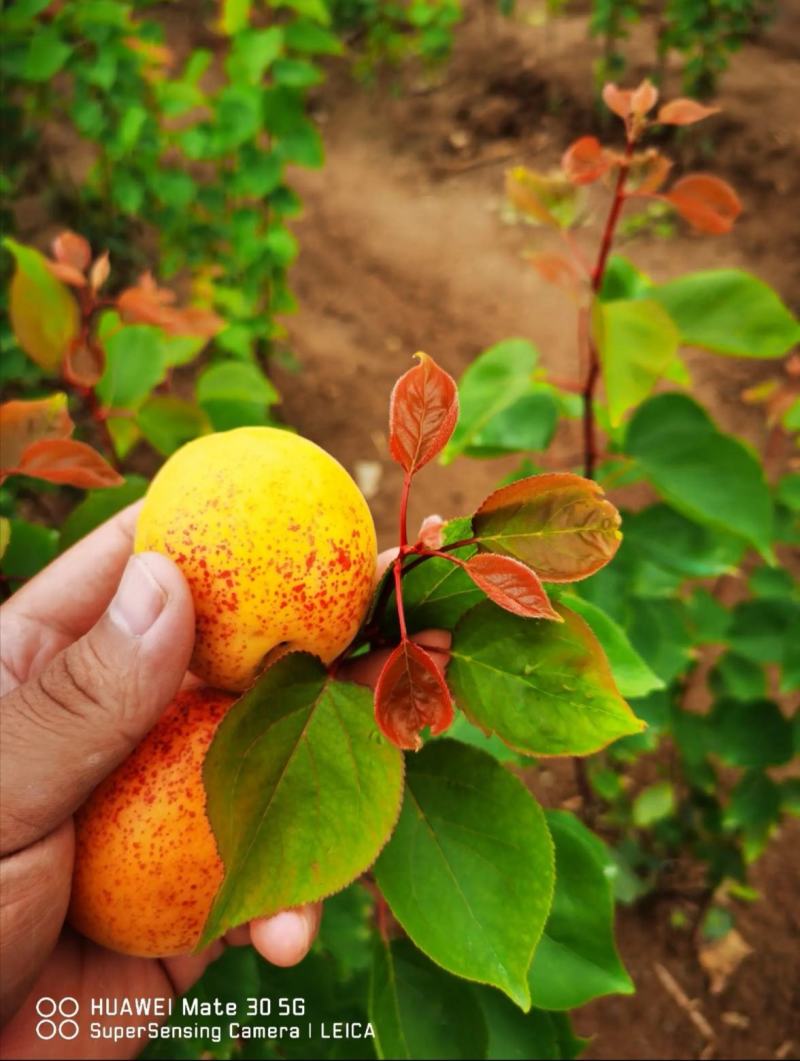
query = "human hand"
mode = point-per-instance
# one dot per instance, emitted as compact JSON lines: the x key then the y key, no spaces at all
{"x":93,"y":649}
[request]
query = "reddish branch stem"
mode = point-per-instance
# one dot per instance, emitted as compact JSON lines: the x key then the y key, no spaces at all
{"x":404,"y":510}
{"x":458,"y":545}
{"x":398,"y":594}
{"x":593,"y":373}
{"x":100,"y":417}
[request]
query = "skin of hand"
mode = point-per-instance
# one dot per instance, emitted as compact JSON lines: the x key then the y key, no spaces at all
{"x":92,"y":651}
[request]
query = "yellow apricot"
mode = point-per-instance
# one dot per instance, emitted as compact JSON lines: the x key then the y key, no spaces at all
{"x":146,"y":863}
{"x":276,"y":541}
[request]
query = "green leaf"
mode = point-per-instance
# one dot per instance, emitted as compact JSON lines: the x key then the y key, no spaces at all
{"x":631,"y":674}
{"x":762,"y":630}
{"x":728,"y":311}
{"x":302,"y":145}
{"x":622,"y":280}
{"x":237,"y":116}
{"x":717,"y":923}
{"x":418,"y":1011}
{"x":491,"y":385}
{"x":577,"y":959}
{"x":297,"y":73}
{"x":322,"y":998}
{"x":234,"y":394}
{"x":346,"y":929}
{"x":127,"y":190}
{"x":124,"y":434}
{"x":653,"y":804}
{"x":739,"y":678}
{"x":46,"y":55}
{"x":788,"y":491}
{"x":302,"y":791}
{"x":755,"y":806}
{"x":527,"y":425}
{"x":752,"y":734}
{"x":253,"y":51}
{"x":235,"y":16}
{"x":257,"y":174}
{"x":310,"y":38}
{"x":315,"y":9}
{"x":709,"y":620}
{"x":463,"y":730}
{"x":167,"y":422}
{"x":773,"y":583}
{"x":659,"y":633}
{"x":44,"y":315}
{"x":281,"y":245}
{"x":544,"y":688}
{"x":709,"y":476}
{"x":181,"y":349}
{"x":30,"y":548}
{"x":468,"y":872}
{"x":175,"y":189}
{"x":636,"y":341}
{"x":518,"y":1036}
{"x":98,"y":506}
{"x":135,"y":362}
{"x":670,"y":540}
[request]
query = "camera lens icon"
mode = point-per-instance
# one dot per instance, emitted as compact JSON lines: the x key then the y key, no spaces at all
{"x":57,"y":1018}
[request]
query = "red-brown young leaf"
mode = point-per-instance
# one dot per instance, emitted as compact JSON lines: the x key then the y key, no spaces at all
{"x":684,"y":112}
{"x":411,"y":693}
{"x":84,"y":361}
{"x":422,"y":414}
{"x":67,"y":273}
{"x":67,"y":461}
{"x":586,"y":160}
{"x":644,"y":98}
{"x":512,"y":585}
{"x":558,"y":524}
{"x":195,"y":320}
{"x":431,"y":532}
{"x":100,"y":270}
{"x":647,"y":172}
{"x":22,"y":423}
{"x":71,"y":249}
{"x":617,"y":99}
{"x":556,"y":269}
{"x":709,"y":204}
{"x":146,"y":302}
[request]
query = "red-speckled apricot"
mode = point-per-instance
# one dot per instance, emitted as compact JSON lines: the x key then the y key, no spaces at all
{"x":275,"y":540}
{"x":146,"y":864}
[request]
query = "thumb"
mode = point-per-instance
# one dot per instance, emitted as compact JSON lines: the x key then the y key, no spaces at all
{"x":68,"y":727}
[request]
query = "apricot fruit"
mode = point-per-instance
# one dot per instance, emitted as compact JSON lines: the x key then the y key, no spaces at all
{"x":276,"y":541}
{"x":146,"y":862}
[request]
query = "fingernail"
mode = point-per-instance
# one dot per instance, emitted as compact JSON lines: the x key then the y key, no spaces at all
{"x":139,"y":600}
